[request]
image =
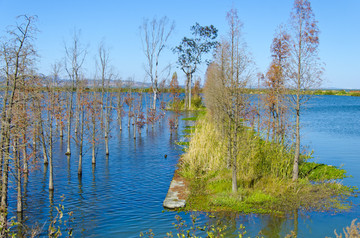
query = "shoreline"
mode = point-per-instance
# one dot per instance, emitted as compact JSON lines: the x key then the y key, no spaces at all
{"x":177,"y":194}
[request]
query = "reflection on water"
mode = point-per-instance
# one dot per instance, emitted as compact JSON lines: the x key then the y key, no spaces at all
{"x":123,"y":194}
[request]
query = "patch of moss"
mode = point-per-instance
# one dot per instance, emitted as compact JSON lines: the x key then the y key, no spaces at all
{"x":190,"y":118}
{"x":320,"y":172}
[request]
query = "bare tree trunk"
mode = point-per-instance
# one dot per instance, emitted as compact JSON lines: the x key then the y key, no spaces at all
{"x":120,"y":122}
{"x":107,"y":123}
{"x":61,"y":130}
{"x":129,"y":118}
{"x":80,"y":164}
{"x":68,"y":150}
{"x":25,"y":159}
{"x":187,"y":91}
{"x":154,"y":99}
{"x":5,"y":174}
{"x":107,"y":146}
{"x":81,"y":140}
{"x":35,"y":134}
{"x":51,"y":177}
{"x":297,"y":144}
{"x":190,"y":91}
{"x":19,"y":207}
{"x":134,"y":128}
{"x":93,"y":141}
{"x":233,"y":155}
{"x":234,"y":175}
{"x":119,"y":111}
{"x":43,"y":143}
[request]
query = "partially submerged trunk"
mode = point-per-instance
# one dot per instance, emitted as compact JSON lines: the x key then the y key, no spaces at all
{"x":155,"y":96}
{"x":19,"y":207}
{"x":51,"y":178}
{"x":81,"y":139}
{"x":69,"y":115}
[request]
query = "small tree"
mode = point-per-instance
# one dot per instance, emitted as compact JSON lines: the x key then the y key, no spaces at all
{"x":190,"y":52}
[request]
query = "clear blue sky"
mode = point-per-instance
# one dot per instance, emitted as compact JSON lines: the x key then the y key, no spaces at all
{"x":117,"y":23}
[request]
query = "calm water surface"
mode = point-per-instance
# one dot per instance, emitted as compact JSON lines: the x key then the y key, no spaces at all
{"x":123,"y":194}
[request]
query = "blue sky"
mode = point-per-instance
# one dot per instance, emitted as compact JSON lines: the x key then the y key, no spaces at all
{"x":116,"y":22}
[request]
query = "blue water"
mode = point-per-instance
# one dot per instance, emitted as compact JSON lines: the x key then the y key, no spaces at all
{"x":123,"y":194}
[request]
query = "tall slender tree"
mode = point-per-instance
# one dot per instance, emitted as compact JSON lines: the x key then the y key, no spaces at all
{"x":304,"y":70}
{"x":227,"y":79}
{"x":75,"y":57}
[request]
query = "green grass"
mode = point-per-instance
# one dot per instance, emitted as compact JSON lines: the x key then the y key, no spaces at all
{"x":190,"y":118}
{"x":320,"y":172}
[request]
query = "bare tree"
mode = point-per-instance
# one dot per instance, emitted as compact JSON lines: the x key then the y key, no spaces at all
{"x":106,"y":76}
{"x":52,"y":108}
{"x":75,"y":57}
{"x":304,"y":70}
{"x":154,"y":35}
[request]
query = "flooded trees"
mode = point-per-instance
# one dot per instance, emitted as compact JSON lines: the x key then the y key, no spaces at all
{"x":304,"y":69}
{"x":190,"y":52}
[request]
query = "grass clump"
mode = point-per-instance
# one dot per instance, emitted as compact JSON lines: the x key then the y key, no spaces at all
{"x":264,"y":176}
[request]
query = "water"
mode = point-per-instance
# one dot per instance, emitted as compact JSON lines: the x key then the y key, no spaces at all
{"x":123,"y":194}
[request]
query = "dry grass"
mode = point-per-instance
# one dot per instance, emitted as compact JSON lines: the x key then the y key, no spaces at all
{"x":205,"y":153}
{"x":350,"y":232}
{"x":257,"y":158}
